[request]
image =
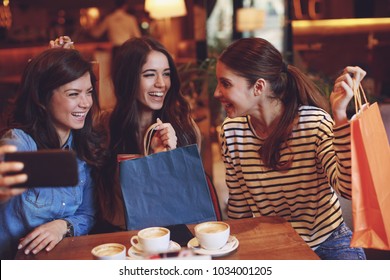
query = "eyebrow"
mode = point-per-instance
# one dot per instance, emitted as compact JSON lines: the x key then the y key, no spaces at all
{"x":77,"y":89}
{"x":223,"y":79}
{"x":72,"y":89}
{"x":154,"y":70}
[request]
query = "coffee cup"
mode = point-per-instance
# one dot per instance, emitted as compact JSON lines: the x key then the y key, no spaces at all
{"x":152,"y":240}
{"x":109,"y":251}
{"x":212,"y":235}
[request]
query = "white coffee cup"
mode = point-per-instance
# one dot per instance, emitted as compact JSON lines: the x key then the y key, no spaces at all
{"x":152,"y":240}
{"x":212,"y":235}
{"x":109,"y":251}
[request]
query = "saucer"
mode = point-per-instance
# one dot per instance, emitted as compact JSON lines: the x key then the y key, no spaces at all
{"x":135,"y":254}
{"x":229,"y":247}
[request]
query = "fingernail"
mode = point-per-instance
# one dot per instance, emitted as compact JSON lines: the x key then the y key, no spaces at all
{"x":26,"y":252}
{"x":20,"y":246}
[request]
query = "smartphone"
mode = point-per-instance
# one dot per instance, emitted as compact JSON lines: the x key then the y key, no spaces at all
{"x":46,"y":168}
{"x":181,"y":234}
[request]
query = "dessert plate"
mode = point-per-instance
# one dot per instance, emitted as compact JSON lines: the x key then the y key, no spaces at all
{"x":230,"y":246}
{"x":135,"y":254}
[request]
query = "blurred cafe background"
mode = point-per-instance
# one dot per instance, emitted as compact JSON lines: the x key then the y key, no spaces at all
{"x":319,"y":36}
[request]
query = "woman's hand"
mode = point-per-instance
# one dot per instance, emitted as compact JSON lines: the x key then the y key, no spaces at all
{"x":61,"y":42}
{"x":343,"y":92}
{"x":6,"y":181}
{"x":46,"y":236}
{"x":164,"y":139}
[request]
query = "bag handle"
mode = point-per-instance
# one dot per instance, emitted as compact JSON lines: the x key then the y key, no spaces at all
{"x":148,"y":138}
{"x":358,"y":92}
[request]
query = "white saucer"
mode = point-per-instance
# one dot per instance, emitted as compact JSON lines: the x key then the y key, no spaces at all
{"x":229,"y":247}
{"x":135,"y":254}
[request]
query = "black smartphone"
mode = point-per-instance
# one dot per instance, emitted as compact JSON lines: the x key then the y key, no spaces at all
{"x":46,"y":168}
{"x":180,"y":233}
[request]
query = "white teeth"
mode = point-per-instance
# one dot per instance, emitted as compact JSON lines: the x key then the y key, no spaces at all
{"x":158,"y":94}
{"x":78,"y":115}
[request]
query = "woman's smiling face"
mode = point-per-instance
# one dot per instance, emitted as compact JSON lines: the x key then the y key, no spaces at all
{"x":155,"y":81}
{"x":70,"y":104}
{"x":233,"y":92}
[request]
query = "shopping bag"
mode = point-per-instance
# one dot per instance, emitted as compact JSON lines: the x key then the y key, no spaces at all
{"x":165,"y":188}
{"x":370,"y":154}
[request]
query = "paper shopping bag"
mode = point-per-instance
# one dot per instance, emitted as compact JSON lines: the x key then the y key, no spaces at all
{"x":165,"y":188}
{"x":370,"y":154}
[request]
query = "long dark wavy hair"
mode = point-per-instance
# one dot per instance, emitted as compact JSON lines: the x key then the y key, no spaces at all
{"x":255,"y":58}
{"x":43,"y":74}
{"x":124,"y":120}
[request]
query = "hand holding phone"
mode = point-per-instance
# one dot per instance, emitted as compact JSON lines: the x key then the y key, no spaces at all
{"x":6,"y":181}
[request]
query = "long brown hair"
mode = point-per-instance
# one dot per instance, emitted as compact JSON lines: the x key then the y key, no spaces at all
{"x":255,"y":58}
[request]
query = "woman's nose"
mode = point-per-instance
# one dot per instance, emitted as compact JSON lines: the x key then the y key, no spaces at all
{"x":85,"y":101}
{"x":160,"y":81}
{"x":217,"y":92}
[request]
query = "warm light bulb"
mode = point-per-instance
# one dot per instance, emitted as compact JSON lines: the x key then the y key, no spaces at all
{"x":159,"y":9}
{"x":249,"y":19}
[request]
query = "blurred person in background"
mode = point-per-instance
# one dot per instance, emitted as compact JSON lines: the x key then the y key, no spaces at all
{"x":119,"y":25}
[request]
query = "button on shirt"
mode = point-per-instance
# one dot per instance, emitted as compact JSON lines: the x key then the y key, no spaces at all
{"x":37,"y":206}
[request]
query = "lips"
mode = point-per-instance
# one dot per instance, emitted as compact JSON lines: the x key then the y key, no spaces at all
{"x":226,"y":105}
{"x":79,"y":115}
{"x":229,"y":108}
{"x":156,"y":94}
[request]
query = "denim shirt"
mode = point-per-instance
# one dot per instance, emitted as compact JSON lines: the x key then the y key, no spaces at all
{"x":37,"y":206}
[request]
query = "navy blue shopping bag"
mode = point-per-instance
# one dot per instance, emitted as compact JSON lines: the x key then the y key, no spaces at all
{"x":165,"y":188}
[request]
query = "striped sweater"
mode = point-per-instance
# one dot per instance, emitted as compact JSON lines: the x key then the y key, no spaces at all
{"x":305,"y":193}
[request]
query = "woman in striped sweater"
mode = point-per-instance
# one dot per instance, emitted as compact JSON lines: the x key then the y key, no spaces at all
{"x":284,"y":154}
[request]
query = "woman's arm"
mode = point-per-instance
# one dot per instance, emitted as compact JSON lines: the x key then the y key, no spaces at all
{"x":237,"y":203}
{"x":84,"y":217}
{"x":334,"y":148}
{"x":48,"y":235}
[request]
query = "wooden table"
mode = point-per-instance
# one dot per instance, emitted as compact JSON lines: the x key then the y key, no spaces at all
{"x":262,"y":238}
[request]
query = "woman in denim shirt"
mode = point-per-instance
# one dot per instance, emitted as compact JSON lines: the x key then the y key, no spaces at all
{"x":54,"y":110}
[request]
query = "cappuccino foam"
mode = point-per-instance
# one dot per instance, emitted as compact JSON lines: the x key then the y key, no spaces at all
{"x":154,"y":233}
{"x":212,"y":228}
{"x":107,"y":250}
